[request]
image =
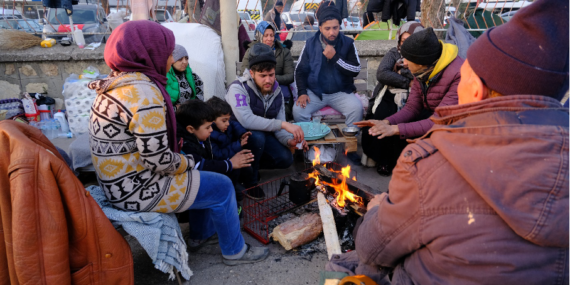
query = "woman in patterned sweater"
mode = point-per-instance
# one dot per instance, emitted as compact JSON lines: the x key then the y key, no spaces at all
{"x":134,"y":151}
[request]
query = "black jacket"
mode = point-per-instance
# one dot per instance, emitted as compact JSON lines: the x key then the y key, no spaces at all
{"x":386,"y":74}
{"x":341,"y":69}
{"x":202,"y":153}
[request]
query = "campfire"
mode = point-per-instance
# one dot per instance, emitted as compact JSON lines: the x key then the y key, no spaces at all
{"x":326,"y":178}
{"x":289,"y":210}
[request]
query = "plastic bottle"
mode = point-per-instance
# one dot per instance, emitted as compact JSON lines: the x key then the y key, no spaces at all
{"x":60,"y":117}
{"x":78,"y":37}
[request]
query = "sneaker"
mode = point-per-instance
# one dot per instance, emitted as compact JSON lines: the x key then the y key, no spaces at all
{"x":252,"y":255}
{"x":256,"y":193}
{"x":194,"y":245}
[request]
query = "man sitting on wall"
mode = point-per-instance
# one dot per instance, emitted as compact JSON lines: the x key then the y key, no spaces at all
{"x":326,"y":70}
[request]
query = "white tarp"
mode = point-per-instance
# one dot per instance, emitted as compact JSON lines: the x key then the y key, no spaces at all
{"x":205,"y":55}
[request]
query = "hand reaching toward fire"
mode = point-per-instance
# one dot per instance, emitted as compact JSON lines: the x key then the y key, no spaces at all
{"x":375,"y":201}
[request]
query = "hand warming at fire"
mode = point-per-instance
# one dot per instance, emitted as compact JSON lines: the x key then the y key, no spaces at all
{"x":375,"y":201}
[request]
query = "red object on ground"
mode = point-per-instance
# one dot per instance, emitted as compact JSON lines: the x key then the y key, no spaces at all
{"x":67,"y":28}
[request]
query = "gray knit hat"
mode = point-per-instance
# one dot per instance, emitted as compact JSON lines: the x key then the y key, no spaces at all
{"x":179,"y":52}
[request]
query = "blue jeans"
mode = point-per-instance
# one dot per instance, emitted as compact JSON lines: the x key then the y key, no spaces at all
{"x":268,"y":152}
{"x":215,"y":211}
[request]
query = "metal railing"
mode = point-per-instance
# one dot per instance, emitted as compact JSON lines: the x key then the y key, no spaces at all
{"x":479,"y":15}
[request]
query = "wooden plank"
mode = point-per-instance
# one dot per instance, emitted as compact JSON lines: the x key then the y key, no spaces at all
{"x":329,"y":227}
{"x":330,"y":137}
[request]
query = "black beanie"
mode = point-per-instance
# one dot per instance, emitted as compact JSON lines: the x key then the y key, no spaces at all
{"x":528,"y":54}
{"x":278,"y":3}
{"x":260,"y":53}
{"x":422,"y":48}
{"x":328,"y":9}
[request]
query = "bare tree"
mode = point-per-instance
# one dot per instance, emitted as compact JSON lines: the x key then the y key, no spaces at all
{"x":433,"y":12}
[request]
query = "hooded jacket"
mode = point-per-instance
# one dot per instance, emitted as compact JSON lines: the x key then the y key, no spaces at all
{"x":51,"y":229}
{"x":239,"y":99}
{"x":226,"y":144}
{"x":439,"y":90}
{"x":482,"y":198}
{"x":202,"y":153}
{"x":284,"y":68}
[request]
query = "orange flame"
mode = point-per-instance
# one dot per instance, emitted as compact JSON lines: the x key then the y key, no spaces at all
{"x":341,"y":188}
{"x":317,"y":159}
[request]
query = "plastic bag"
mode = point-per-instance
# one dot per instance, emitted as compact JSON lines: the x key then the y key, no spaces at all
{"x":78,"y":101}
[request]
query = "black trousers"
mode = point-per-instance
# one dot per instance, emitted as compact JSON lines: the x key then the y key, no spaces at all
{"x":384,"y":152}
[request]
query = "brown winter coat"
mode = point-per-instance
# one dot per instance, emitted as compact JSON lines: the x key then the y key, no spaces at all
{"x":482,"y":198}
{"x":51,"y":229}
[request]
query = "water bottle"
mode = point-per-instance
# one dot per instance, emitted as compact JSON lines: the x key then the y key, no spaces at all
{"x":60,"y":117}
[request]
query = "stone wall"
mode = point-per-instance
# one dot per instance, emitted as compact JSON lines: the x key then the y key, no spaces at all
{"x":44,"y":70}
{"x":41,"y":70}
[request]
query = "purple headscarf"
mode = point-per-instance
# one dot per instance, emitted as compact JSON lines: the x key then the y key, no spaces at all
{"x":144,"y":46}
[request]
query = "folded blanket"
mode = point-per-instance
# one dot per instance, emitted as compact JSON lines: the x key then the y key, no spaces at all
{"x":159,"y":234}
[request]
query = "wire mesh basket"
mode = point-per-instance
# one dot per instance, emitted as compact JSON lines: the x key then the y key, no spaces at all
{"x":258,"y":213}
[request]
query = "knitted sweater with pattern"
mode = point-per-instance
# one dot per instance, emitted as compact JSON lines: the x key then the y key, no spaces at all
{"x":129,"y":148}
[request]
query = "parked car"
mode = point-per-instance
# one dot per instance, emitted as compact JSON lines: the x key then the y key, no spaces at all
{"x":163,"y":16}
{"x":351,"y":23}
{"x":89,"y":18}
{"x":10,"y":14}
{"x":248,"y":23}
{"x":28,"y":26}
{"x":296,"y":19}
{"x":507,"y":16}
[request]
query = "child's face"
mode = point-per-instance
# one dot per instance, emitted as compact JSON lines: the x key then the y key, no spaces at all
{"x":203,"y":132}
{"x":223,"y":122}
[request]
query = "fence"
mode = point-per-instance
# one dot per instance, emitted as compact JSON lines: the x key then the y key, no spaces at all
{"x":478,"y":15}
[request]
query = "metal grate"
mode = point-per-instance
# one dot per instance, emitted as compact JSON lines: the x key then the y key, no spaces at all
{"x":258,"y":213}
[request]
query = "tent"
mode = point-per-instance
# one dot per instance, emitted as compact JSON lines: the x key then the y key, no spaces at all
{"x":377,"y":35}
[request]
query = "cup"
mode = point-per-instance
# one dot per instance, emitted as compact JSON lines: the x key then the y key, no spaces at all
{"x":317,"y":125}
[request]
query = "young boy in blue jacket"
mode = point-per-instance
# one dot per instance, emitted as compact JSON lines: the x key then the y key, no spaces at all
{"x":194,"y":120}
{"x":229,"y":138}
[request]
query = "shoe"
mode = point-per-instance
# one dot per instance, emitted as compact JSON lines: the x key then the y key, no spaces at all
{"x":252,"y":255}
{"x":195,"y":245}
{"x":256,"y":193}
{"x":383,"y":170}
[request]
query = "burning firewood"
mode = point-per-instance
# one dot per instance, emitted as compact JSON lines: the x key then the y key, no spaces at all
{"x":298,"y":231}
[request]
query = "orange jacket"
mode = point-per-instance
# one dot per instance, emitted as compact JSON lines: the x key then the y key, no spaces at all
{"x":51,"y":229}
